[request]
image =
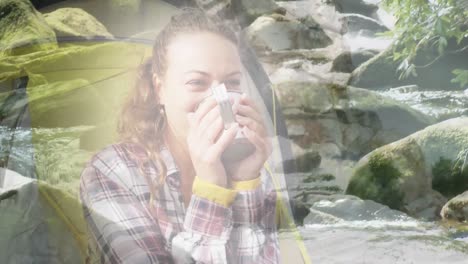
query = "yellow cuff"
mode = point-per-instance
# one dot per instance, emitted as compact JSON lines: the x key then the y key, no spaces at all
{"x":213,"y":192}
{"x":246,"y":185}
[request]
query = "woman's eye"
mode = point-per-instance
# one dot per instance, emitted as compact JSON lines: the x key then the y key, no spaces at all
{"x":232,"y":84}
{"x":197,"y":83}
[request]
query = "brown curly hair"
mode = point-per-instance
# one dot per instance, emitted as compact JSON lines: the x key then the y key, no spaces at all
{"x":142,"y":119}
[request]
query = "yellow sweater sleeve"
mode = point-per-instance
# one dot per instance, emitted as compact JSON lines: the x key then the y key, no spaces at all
{"x":213,"y":192}
{"x":246,"y":185}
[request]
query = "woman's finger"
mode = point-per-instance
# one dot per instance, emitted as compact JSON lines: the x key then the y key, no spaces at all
{"x":209,"y":118}
{"x":204,"y":108}
{"x":255,"y":139}
{"x":226,"y":138}
{"x":213,"y":131}
{"x":245,"y":100}
{"x":248,"y":111}
{"x":251,"y":124}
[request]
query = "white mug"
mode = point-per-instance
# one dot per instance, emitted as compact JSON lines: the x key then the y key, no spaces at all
{"x":241,"y":147}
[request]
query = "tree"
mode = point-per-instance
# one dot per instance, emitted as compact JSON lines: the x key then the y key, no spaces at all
{"x":428,"y":24}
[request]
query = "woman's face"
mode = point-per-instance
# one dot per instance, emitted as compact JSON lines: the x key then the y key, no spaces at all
{"x":195,"y":62}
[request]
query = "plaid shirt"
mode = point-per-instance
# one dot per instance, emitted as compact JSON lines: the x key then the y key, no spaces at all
{"x":116,"y":196}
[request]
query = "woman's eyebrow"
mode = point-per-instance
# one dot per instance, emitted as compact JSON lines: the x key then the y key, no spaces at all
{"x":205,"y":73}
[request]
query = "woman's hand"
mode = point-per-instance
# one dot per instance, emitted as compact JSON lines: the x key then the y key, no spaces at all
{"x":249,"y":118}
{"x":207,"y":140}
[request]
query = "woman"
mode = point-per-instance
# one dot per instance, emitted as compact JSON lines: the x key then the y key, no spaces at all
{"x":162,"y":194}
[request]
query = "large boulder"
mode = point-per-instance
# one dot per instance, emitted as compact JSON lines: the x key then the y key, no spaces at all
{"x":354,"y":23}
{"x":247,"y":11}
{"x":406,"y":174}
{"x":361,"y":7}
{"x":348,"y":61}
{"x":456,"y":208}
{"x":75,"y":23}
{"x":380,"y":72}
{"x":277,"y":32}
{"x":23,"y":29}
{"x":356,"y":120}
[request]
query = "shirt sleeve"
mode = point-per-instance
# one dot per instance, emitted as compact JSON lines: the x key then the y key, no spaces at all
{"x":254,"y":238}
{"x":237,"y":229}
{"x":124,"y":230}
{"x":207,"y":225}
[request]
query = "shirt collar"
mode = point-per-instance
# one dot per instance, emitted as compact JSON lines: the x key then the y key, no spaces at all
{"x":173,"y":175}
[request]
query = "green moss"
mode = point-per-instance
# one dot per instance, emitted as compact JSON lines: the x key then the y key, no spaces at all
{"x":320,"y":177}
{"x":378,"y":181}
{"x":449,"y":176}
{"x":21,"y":25}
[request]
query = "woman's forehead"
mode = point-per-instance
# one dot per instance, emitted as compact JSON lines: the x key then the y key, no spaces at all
{"x":202,"y":51}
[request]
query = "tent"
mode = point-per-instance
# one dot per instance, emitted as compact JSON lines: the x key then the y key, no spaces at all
{"x":58,"y":101}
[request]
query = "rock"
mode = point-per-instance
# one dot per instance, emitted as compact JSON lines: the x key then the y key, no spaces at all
{"x":355,"y":120}
{"x":380,"y":72}
{"x":376,"y":73}
{"x":402,"y":174}
{"x":348,"y":61}
{"x":299,"y":210}
{"x":427,"y":207}
{"x":355,"y":7}
{"x":76,"y":23}
{"x":456,"y":208}
{"x":247,"y":11}
{"x":23,"y":29}
{"x":279,"y":33}
{"x":354,"y":23}
{"x":406,"y":89}
{"x":394,"y":175}
{"x":340,"y":207}
{"x":317,"y":217}
{"x":306,"y":159}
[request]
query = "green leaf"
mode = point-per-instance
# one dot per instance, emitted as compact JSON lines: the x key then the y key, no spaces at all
{"x":442,"y":45}
{"x":461,"y":76}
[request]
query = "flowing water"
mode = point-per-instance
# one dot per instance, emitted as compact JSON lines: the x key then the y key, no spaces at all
{"x":367,"y":232}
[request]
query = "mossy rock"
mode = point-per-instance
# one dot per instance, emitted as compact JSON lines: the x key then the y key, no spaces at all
{"x":58,"y":158}
{"x":408,"y":166}
{"x":380,"y":72}
{"x":450,"y":177}
{"x":356,"y":120}
{"x":247,"y":11}
{"x":268,"y":33}
{"x":76,"y":23}
{"x":456,"y":208}
{"x":23,"y":29}
{"x":391,"y":176}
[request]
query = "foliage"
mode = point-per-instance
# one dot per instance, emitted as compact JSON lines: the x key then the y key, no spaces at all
{"x":429,"y":25}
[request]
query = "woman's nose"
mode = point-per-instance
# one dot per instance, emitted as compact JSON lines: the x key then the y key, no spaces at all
{"x":215,"y":83}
